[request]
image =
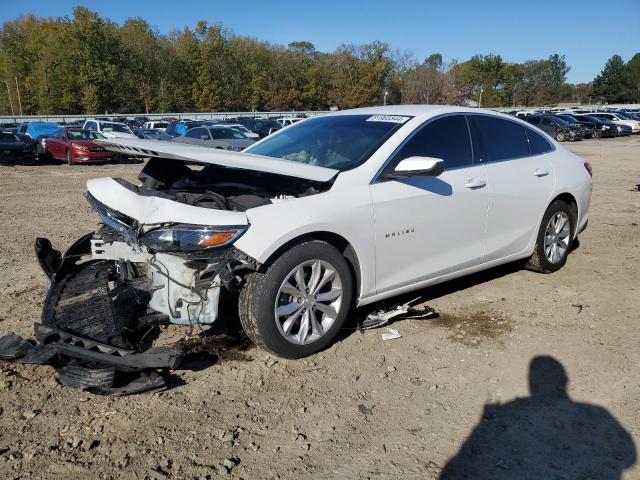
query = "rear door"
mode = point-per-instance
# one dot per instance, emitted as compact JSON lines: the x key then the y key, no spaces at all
{"x":520,"y":178}
{"x":426,"y":227}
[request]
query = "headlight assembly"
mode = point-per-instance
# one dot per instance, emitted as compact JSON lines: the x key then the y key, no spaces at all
{"x":190,"y":238}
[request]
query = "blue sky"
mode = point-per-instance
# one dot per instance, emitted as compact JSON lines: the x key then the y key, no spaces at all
{"x":588,"y":32}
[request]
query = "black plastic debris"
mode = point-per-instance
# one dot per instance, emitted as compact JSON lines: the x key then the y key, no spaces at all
{"x":91,"y":331}
{"x":13,"y":346}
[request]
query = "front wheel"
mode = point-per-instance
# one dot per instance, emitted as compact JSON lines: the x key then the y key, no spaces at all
{"x":69,"y":161}
{"x":298,"y":305}
{"x":554,"y":239}
{"x":561,"y":136}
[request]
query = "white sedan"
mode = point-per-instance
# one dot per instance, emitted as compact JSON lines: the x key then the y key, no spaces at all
{"x":337,"y":212}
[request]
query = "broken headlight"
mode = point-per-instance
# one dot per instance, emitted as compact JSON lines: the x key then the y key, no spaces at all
{"x":190,"y":238}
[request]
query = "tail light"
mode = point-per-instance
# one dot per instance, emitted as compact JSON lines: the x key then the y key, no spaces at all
{"x":588,"y":167}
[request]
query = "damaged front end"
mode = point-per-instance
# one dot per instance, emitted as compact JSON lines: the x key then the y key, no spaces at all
{"x":163,"y":253}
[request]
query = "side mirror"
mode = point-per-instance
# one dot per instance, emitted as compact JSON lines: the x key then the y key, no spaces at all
{"x":416,"y":167}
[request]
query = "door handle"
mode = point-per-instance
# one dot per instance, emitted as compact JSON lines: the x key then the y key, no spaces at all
{"x":541,"y":172}
{"x":475,"y":183}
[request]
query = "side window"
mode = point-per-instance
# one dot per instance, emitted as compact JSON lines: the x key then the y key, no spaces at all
{"x":498,"y":139}
{"x":537,"y":143}
{"x":446,"y":138}
{"x":546,"y":121}
{"x":533,"y":120}
{"x":91,"y":126}
{"x":194,"y":132}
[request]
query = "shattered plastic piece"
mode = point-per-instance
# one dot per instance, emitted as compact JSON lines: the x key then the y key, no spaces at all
{"x":39,"y":355}
{"x":393,"y":334}
{"x":13,"y":346}
{"x":77,"y":375}
{"x":382,"y":317}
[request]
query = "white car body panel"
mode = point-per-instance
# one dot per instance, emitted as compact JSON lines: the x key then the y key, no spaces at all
{"x":418,"y":219}
{"x":453,"y":229}
{"x":226,"y":158}
{"x":100,"y":124}
{"x":151,"y":210}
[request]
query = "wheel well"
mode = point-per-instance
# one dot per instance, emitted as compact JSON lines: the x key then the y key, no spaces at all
{"x":571,"y":201}
{"x":337,"y":241}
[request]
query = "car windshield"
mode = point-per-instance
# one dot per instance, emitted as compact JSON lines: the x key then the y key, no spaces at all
{"x":341,"y":142}
{"x":83,"y":135}
{"x":569,"y":118}
{"x":8,"y":137}
{"x":560,"y":120}
{"x":115,"y":127}
{"x":219,"y":133}
{"x":591,"y":119}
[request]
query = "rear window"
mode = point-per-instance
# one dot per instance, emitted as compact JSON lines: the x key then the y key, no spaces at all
{"x":537,"y":143}
{"x":498,"y":139}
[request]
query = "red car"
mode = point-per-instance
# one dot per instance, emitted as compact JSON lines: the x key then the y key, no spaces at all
{"x":75,"y":145}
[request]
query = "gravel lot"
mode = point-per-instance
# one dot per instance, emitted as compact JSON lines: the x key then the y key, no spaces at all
{"x":451,"y":396}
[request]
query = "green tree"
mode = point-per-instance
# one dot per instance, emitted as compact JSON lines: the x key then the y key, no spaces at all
{"x":613,"y":85}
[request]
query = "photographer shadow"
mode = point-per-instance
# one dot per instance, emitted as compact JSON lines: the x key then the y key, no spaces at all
{"x":544,"y":436}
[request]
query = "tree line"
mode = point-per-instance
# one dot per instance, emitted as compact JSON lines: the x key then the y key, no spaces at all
{"x":88,"y":64}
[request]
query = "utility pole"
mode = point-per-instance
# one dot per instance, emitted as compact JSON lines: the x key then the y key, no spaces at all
{"x":386,"y":92}
{"x":18,"y":90}
{"x":9,"y":93}
{"x":480,"y":100}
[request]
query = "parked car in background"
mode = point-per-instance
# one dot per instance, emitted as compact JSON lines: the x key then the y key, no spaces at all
{"x":180,"y":128}
{"x":588,"y":128}
{"x":156,"y":125}
{"x":602,"y":127}
{"x":109,"y":129}
{"x":237,"y":126}
{"x":619,"y":119}
{"x":14,"y":149}
{"x":75,"y":145}
{"x":216,"y":137}
{"x":38,"y":132}
{"x":340,"y":210}
{"x":555,"y":127}
{"x":152,"y":134}
{"x":260,"y":126}
{"x":285,"y":122}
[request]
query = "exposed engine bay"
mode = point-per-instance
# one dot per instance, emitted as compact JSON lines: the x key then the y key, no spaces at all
{"x":217,"y":187}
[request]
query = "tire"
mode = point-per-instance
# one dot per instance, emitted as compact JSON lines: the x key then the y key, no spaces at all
{"x":596,"y":134}
{"x":561,"y":136}
{"x":68,"y":155}
{"x":262,"y":303}
{"x":543,"y":259}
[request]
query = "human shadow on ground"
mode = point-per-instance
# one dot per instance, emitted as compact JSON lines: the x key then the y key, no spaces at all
{"x":544,"y":436}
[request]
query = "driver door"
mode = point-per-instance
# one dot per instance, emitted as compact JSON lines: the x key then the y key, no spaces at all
{"x":426,"y":227}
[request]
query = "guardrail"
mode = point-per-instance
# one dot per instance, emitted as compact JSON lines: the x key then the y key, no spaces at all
{"x":155,"y":116}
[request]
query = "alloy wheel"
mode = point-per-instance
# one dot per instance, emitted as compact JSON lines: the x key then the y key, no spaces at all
{"x":557,"y":237}
{"x":308,"y":301}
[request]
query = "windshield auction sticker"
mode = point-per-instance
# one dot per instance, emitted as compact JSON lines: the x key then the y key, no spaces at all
{"x":388,"y":118}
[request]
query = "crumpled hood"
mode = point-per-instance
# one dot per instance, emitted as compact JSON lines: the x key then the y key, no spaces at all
{"x":153,"y":210}
{"x":225,"y":158}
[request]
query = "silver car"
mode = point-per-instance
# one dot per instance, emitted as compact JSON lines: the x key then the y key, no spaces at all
{"x":216,"y":137}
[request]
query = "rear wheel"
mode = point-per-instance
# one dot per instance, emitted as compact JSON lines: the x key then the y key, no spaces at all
{"x":298,"y":305}
{"x":597,"y":134}
{"x":554,"y":238}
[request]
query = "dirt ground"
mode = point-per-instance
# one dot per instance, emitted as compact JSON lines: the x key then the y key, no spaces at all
{"x":450,"y":398}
